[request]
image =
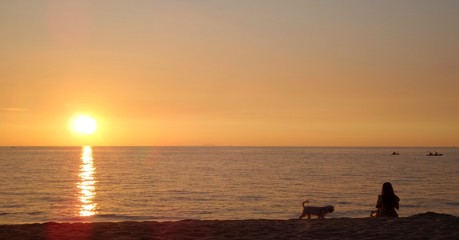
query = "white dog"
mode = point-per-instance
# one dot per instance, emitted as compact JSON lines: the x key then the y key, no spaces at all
{"x":320,"y":212}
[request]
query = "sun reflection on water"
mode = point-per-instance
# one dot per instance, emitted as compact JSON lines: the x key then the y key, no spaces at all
{"x":86,"y":185}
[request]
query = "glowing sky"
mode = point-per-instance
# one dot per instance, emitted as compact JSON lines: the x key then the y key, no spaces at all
{"x":237,"y":72}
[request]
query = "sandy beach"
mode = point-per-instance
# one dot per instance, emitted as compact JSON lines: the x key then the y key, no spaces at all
{"x":421,"y":226}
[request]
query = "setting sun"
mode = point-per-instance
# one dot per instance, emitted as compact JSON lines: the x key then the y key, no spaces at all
{"x":83,"y":124}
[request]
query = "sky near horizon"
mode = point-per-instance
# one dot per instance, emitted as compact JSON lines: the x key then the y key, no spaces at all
{"x":203,"y":72}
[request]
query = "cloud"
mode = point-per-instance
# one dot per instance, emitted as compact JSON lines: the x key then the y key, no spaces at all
{"x":13,"y":109}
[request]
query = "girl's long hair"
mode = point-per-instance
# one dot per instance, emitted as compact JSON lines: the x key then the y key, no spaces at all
{"x":388,"y":195}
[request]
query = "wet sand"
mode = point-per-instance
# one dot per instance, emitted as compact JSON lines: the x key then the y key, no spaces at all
{"x":421,"y":226}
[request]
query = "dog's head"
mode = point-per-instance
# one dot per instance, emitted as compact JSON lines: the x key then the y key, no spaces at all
{"x":329,"y":208}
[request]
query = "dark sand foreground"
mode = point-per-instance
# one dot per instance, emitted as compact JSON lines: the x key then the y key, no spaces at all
{"x":422,"y":226}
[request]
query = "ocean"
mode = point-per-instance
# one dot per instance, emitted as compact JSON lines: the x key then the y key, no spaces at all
{"x":89,"y":184}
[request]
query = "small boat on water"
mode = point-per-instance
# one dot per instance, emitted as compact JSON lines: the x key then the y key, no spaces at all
{"x":434,"y":154}
{"x":395,"y":153}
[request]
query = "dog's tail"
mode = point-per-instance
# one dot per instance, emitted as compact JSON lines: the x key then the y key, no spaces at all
{"x":307,"y":201}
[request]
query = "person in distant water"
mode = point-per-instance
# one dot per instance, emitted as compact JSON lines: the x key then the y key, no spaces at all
{"x":387,"y":202}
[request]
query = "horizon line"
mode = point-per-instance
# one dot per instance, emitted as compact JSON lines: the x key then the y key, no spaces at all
{"x":312,"y":146}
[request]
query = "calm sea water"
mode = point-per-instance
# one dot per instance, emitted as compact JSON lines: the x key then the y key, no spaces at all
{"x":42,"y":184}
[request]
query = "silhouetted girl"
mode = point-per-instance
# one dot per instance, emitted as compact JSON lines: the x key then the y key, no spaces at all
{"x":387,"y":202}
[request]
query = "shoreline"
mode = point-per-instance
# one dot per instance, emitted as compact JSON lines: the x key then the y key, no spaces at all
{"x":426,"y":225}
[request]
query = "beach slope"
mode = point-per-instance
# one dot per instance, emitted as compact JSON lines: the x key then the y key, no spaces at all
{"x":421,"y":226}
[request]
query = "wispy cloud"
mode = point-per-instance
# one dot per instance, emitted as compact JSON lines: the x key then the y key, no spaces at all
{"x":13,"y":109}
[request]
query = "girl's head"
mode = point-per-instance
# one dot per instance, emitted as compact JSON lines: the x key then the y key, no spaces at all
{"x":387,"y":189}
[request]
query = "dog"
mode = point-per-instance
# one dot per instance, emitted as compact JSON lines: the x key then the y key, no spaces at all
{"x":320,"y":212}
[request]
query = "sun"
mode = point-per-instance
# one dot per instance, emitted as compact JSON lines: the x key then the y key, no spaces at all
{"x":84,"y":124}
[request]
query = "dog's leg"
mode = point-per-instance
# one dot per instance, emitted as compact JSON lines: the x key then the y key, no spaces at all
{"x":302,"y":216}
{"x":322,"y":213}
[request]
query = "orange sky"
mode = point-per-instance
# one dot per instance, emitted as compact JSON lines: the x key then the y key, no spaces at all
{"x":320,"y":73}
